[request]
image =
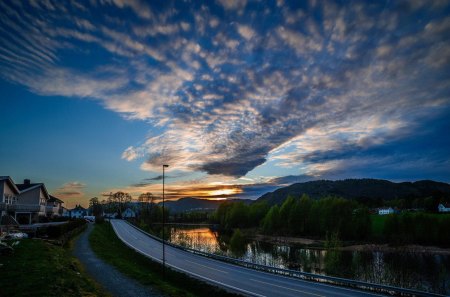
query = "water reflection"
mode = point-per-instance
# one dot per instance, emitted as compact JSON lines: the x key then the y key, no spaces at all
{"x":403,"y":269}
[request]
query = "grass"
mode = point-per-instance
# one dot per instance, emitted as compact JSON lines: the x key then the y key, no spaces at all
{"x":38,"y":268}
{"x":112,"y":250}
{"x":378,"y":225}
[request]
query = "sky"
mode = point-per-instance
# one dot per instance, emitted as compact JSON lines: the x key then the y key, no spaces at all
{"x":237,"y":97}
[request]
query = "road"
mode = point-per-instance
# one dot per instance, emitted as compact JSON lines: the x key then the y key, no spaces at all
{"x":238,"y":279}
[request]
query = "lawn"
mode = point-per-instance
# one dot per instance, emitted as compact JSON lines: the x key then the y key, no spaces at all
{"x":377,"y":225}
{"x":38,"y":268}
{"x":112,"y":250}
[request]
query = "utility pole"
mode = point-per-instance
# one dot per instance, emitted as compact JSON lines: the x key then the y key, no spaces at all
{"x":163,"y":222}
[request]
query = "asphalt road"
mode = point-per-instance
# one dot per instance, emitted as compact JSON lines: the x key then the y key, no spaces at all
{"x":239,"y":279}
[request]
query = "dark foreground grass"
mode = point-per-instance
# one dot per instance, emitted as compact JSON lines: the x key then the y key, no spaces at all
{"x":111,"y":249}
{"x":38,"y":268}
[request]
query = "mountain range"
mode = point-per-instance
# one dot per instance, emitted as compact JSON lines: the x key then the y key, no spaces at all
{"x":359,"y":189}
{"x":196,"y":204}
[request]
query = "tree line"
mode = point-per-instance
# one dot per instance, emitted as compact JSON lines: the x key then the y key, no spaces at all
{"x":299,"y":217}
{"x":344,"y":218}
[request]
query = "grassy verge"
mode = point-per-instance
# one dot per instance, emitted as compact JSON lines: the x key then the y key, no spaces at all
{"x":38,"y":268}
{"x":377,"y":225}
{"x":112,"y":250}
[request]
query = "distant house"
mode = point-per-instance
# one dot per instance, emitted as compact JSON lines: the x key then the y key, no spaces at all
{"x":110,"y":215}
{"x":444,"y":207}
{"x":54,"y":207}
{"x":386,"y":211}
{"x":129,"y":213}
{"x":77,"y":212}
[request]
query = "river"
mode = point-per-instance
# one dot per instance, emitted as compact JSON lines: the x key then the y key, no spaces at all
{"x":414,"y":270}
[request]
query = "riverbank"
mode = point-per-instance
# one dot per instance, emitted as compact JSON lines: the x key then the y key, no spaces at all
{"x":347,"y":246}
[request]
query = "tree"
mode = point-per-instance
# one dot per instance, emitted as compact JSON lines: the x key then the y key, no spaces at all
{"x":300,"y":215}
{"x":285,"y":211}
{"x":146,"y":202}
{"x":120,"y":199}
{"x":237,"y":216}
{"x":96,"y":207}
{"x":256,"y":212}
{"x":237,"y":243}
{"x":271,"y":221}
{"x":361,"y":222}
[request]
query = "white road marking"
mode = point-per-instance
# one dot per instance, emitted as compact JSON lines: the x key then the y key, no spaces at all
{"x":286,"y":288}
{"x":207,"y":266}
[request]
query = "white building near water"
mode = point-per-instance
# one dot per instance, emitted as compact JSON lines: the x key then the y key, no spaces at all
{"x":385,"y":211}
{"x":444,"y":207}
{"x":129,"y":213}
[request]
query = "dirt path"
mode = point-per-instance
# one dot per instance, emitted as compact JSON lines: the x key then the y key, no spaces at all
{"x":109,"y":277}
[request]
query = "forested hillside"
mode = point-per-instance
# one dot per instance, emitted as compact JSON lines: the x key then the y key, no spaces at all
{"x":360,"y":189}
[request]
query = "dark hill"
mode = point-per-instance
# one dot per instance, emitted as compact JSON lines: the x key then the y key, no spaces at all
{"x":196,"y":204}
{"x":359,"y":189}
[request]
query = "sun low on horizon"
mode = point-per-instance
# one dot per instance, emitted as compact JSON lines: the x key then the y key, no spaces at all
{"x":237,"y":97}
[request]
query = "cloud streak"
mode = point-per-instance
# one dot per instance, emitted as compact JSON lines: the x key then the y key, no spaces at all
{"x":231,"y":85}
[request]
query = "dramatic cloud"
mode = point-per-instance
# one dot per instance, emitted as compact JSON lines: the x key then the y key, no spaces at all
{"x":227,"y":87}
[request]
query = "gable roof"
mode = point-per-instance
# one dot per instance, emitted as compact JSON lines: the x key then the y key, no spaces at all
{"x":11,"y":183}
{"x":79,"y":207}
{"x":444,"y":204}
{"x":28,"y":187}
{"x":54,"y":199}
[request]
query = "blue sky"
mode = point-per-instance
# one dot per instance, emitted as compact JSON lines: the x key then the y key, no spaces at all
{"x":238,"y":97}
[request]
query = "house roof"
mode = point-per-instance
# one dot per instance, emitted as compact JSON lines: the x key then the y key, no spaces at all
{"x":79,"y":207}
{"x":54,"y":199}
{"x":446,"y":205}
{"x":28,"y":187}
{"x":10,"y":182}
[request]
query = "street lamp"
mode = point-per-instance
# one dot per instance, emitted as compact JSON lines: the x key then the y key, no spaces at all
{"x":163,"y":221}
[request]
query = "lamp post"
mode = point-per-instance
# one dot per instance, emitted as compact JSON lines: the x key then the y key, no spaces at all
{"x":163,"y":221}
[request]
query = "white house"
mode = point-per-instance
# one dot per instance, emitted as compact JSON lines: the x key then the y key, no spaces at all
{"x":129,"y":213}
{"x":77,"y":212}
{"x":444,"y":207}
{"x":386,"y":211}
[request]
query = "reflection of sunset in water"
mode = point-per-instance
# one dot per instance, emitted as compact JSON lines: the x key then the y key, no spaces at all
{"x":202,"y":238}
{"x":370,"y":266}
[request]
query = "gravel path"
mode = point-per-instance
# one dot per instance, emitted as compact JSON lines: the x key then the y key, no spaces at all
{"x":109,"y":277}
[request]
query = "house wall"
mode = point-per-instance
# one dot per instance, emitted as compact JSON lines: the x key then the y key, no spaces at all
{"x":30,"y":197}
{"x":7,"y":190}
{"x":2,"y":197}
{"x":42,"y":197}
{"x":2,"y":185}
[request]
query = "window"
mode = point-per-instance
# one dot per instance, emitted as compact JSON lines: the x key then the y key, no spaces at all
{"x":9,"y":199}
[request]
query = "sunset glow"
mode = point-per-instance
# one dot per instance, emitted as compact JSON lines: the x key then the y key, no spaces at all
{"x":237,"y":97}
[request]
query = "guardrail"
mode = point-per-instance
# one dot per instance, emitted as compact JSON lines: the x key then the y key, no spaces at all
{"x":394,"y":291}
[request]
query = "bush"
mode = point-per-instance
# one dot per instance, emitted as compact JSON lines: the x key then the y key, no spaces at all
{"x":99,"y":219}
{"x":56,"y":231}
